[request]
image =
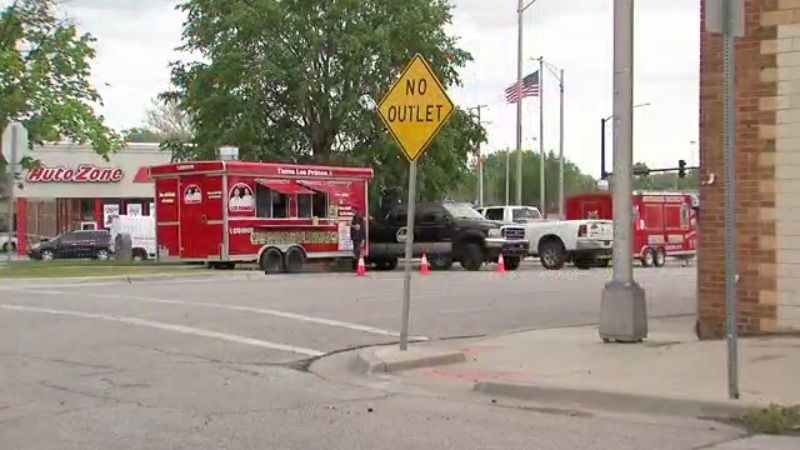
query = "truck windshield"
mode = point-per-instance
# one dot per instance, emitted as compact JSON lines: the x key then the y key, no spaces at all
{"x":463,"y":211}
{"x":526,"y":214}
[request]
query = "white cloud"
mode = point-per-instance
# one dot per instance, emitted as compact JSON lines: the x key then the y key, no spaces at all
{"x":137,"y":40}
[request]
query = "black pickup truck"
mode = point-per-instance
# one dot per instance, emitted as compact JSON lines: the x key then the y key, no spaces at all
{"x":446,"y":232}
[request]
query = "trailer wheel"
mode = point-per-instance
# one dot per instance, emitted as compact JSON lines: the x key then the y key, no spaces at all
{"x":295,"y":260}
{"x":648,"y":257}
{"x":661,"y":257}
{"x":271,"y":261}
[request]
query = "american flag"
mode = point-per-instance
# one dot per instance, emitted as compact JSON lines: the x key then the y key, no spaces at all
{"x":530,"y":88}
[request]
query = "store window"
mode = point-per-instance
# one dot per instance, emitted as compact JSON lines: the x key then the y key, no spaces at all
{"x":271,"y":204}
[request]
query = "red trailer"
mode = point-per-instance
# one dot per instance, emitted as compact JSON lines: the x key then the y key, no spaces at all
{"x":279,"y":215}
{"x":665,"y":223}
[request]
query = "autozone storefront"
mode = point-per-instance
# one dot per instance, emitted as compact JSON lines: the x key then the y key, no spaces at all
{"x":74,"y":188}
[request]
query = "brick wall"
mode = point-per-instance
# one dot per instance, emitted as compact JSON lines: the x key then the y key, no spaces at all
{"x":755,"y":127}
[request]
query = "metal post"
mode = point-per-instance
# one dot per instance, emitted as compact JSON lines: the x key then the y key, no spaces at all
{"x":731,"y":307}
{"x":412,"y":201}
{"x":12,"y":165}
{"x":542,"y":157}
{"x":623,"y":315}
{"x":480,"y":179}
{"x":561,"y":149}
{"x":603,"y":173}
{"x":508,"y":174}
{"x":520,"y":11}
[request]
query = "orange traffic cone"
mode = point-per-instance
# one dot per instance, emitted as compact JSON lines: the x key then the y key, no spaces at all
{"x":501,"y":265}
{"x":361,"y":269}
{"x":424,"y":267}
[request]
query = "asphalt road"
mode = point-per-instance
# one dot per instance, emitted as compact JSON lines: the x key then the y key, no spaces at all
{"x":217,"y":363}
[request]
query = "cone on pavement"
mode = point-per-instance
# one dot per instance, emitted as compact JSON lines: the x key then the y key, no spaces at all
{"x":501,"y":264}
{"x":424,"y":267}
{"x":361,"y":269}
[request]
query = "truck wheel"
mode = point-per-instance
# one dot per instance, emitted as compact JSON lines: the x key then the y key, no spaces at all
{"x":271,"y":261}
{"x":295,"y":260}
{"x":385,"y":264}
{"x":648,"y":257}
{"x":441,"y":262}
{"x":472,"y":257}
{"x":512,"y":262}
{"x":661,"y":257}
{"x":139,"y":255}
{"x":552,"y":254}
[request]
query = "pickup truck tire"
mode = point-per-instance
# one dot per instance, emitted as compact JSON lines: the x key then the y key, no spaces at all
{"x":441,"y":262}
{"x":512,"y":262}
{"x":472,"y":257}
{"x":552,"y":254}
{"x":9,"y":247}
{"x":271,"y":261}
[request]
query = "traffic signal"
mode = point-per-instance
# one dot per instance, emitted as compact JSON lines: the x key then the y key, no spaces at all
{"x":681,"y":168}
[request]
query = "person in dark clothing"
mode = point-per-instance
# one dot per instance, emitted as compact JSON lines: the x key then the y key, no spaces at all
{"x":357,"y":233}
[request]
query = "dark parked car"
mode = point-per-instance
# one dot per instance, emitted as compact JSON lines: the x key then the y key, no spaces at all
{"x":74,"y":244}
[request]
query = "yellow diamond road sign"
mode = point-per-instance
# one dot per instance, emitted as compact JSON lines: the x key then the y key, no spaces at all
{"x":415,"y":108}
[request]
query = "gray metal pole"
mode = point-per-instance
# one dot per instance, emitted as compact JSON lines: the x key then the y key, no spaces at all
{"x":508,"y":174}
{"x":561,"y":150}
{"x":623,"y":313}
{"x":12,"y":166}
{"x":542,"y":156}
{"x":520,"y":11}
{"x":731,"y":307}
{"x":412,"y":203}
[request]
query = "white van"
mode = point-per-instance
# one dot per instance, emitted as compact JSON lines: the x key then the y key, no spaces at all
{"x":142,"y":230}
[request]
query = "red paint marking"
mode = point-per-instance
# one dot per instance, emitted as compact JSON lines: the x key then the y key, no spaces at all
{"x":477,"y":349}
{"x":452,"y":373}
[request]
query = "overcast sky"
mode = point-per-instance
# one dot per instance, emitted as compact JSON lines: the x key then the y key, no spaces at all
{"x":137,"y":39}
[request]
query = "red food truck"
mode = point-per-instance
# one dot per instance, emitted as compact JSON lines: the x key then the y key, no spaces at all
{"x":279,"y":215}
{"x":664,"y":223}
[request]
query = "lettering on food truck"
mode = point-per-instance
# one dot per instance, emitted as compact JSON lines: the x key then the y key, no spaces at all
{"x":293,"y":237}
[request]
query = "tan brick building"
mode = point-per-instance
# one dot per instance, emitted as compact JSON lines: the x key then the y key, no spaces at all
{"x":767,"y":181}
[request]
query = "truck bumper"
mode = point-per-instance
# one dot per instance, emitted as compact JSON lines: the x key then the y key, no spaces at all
{"x":509,"y":248}
{"x":593,"y":249}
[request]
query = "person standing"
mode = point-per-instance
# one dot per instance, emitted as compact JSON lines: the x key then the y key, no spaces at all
{"x":357,"y":233}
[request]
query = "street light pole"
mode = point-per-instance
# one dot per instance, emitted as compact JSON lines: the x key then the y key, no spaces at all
{"x":603,"y":123}
{"x":561,"y":147}
{"x":623,"y":314}
{"x":520,"y":11}
{"x":542,"y":156}
{"x":480,"y":160}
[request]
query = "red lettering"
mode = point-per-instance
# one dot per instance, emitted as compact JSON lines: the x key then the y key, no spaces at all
{"x":117,"y":175}
{"x":82,"y":175}
{"x":48,"y":175}
{"x":69,"y":174}
{"x":94,"y":174}
{"x":85,"y":173}
{"x":35,"y":174}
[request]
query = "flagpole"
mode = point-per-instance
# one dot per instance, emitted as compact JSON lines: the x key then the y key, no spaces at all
{"x":542,"y":159}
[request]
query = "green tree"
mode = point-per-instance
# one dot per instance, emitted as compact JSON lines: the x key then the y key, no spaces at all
{"x":646,"y":180}
{"x":44,"y":77}
{"x":494,"y":173}
{"x":298,"y":80}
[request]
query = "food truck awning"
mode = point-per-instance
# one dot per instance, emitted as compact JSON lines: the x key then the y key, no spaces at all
{"x":284,"y":187}
{"x":330,"y":189}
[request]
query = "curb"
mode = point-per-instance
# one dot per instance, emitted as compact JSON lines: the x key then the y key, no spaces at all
{"x":124,"y":279}
{"x":616,"y":401}
{"x":367,"y":361}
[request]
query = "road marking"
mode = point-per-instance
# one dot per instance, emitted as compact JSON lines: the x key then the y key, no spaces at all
{"x":268,"y":312}
{"x":168,"y":327}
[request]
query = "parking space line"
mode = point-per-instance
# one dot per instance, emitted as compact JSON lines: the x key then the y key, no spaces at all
{"x":168,"y":327}
{"x":268,"y":312}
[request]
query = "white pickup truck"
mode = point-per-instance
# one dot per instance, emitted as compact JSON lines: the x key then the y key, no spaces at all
{"x":586,"y":243}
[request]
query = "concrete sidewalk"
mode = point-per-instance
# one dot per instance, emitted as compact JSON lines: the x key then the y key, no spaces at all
{"x":672,"y":371}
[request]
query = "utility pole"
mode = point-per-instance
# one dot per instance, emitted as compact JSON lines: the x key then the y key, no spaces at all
{"x":561,"y":146}
{"x":520,"y":11}
{"x":623,"y":314}
{"x":480,"y":159}
{"x":508,"y":174}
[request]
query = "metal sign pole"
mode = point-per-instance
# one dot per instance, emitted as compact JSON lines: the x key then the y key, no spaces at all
{"x":412,"y":201}
{"x":731,"y":311}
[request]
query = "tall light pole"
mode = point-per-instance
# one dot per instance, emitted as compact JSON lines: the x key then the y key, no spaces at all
{"x":480,"y":160}
{"x":520,"y":11}
{"x":603,"y":122}
{"x":623,"y":313}
{"x":559,"y":74}
{"x":542,"y":156}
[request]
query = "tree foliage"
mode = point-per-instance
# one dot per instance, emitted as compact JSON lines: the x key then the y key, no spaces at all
{"x":44,"y":77}
{"x":646,"y":180}
{"x":298,"y":80}
{"x":494,"y":173}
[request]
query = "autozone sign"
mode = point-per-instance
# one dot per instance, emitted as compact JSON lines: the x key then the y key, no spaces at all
{"x":84,"y":173}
